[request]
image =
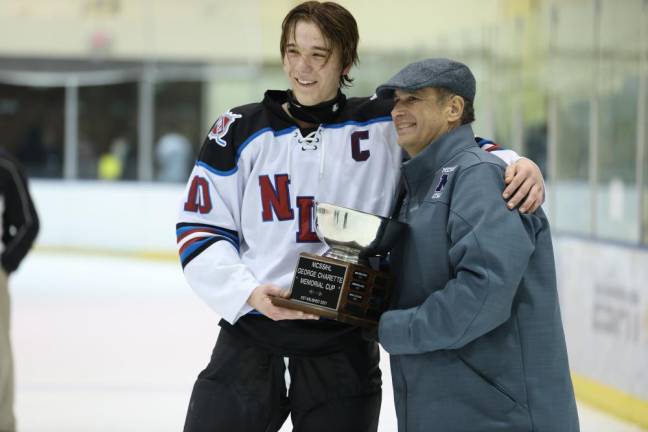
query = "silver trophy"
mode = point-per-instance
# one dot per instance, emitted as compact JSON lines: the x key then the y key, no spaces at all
{"x":342,"y":285}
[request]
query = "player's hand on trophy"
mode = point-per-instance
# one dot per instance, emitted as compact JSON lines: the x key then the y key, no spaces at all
{"x":525,"y":186}
{"x":260,"y":300}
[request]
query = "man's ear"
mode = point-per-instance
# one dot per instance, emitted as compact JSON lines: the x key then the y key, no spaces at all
{"x":455,"y":108}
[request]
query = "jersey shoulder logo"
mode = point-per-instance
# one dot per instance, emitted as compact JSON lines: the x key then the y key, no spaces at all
{"x":221,"y":127}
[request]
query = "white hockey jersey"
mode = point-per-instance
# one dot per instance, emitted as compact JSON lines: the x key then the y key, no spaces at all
{"x":248,"y":208}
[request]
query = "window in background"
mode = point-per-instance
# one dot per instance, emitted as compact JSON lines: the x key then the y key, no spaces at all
{"x":572,"y":58}
{"x":503,"y":109}
{"x":617,"y":214}
{"x":534,"y":93}
{"x":505,"y":71}
{"x":643,"y":120}
{"x":178,"y":129}
{"x":534,"y":125}
{"x":644,"y":201}
{"x":108,"y":132}
{"x":31,"y":121}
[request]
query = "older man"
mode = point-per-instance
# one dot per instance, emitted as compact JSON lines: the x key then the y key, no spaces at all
{"x":474,"y":331}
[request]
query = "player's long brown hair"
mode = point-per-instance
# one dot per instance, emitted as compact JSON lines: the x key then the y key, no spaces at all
{"x":337,"y":25}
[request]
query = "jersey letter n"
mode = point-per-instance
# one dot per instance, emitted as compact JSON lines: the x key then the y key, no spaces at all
{"x":275,"y":198}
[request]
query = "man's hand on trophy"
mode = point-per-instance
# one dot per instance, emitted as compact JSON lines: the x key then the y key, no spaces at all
{"x":260,"y":300}
{"x":525,"y":186}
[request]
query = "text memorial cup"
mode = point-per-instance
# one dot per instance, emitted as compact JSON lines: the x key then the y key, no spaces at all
{"x":341,"y":284}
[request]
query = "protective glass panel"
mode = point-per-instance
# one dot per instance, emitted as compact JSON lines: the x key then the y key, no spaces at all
{"x":31,"y":120}
{"x":108,"y":132}
{"x":617,"y":213}
{"x":178,"y":129}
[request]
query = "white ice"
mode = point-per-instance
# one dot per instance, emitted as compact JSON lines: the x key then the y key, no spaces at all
{"x":105,"y":344}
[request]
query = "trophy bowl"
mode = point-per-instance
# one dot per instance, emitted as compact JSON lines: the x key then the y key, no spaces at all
{"x":341,"y":284}
{"x":353,"y":235}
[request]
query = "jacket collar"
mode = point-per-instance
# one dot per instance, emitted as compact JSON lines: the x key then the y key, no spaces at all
{"x":433,"y":157}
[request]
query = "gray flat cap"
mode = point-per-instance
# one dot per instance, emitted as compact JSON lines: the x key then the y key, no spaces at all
{"x":434,"y":72}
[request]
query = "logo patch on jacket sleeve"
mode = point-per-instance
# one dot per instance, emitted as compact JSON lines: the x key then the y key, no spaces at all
{"x":222,"y":125}
{"x":446,"y":173}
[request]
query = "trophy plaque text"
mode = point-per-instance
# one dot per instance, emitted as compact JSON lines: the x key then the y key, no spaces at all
{"x":341,"y":284}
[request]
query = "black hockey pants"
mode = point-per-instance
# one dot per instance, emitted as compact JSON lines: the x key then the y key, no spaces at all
{"x":243,"y":390}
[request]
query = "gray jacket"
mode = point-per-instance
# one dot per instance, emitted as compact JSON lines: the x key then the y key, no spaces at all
{"x":475,"y":333}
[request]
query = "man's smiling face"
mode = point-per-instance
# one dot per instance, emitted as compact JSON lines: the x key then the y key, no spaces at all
{"x":420,"y":118}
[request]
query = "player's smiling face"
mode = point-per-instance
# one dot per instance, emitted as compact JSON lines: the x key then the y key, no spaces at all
{"x":312,"y":66}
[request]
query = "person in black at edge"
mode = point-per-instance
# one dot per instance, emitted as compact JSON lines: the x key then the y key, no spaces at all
{"x":247,"y":214}
{"x":18,"y":231}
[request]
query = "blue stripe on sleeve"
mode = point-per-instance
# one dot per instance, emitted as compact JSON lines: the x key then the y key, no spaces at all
{"x":210,"y":229}
{"x":194,"y":247}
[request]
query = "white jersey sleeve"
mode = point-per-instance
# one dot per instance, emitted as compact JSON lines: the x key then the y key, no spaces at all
{"x":209,"y":228}
{"x":507,"y":155}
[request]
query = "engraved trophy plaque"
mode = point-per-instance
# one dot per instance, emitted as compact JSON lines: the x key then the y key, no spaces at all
{"x":341,"y":284}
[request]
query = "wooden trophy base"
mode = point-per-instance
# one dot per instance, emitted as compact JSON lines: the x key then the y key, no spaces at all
{"x":350,"y":293}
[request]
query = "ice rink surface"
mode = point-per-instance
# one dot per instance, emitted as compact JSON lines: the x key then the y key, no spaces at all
{"x":105,"y":344}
